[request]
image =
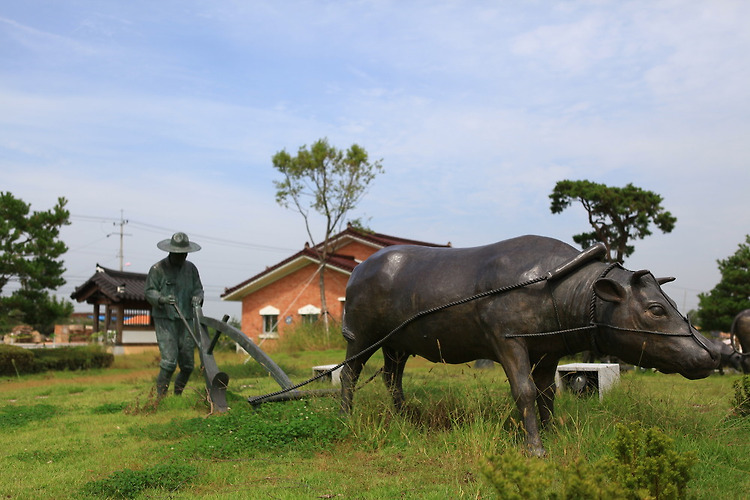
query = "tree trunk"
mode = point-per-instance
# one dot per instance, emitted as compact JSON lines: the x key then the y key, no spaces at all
{"x":323,"y":305}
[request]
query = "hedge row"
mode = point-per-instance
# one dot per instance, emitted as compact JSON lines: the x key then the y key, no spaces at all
{"x":16,"y":360}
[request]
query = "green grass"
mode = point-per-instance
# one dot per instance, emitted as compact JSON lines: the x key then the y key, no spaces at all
{"x":95,"y":433}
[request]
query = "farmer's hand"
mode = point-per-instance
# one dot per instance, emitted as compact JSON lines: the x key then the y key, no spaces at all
{"x":197,"y":301}
{"x":167,"y":299}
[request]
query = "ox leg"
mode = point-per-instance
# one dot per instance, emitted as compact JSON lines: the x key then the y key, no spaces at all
{"x":393,"y":373}
{"x":544,"y":379}
{"x":515,"y":360}
{"x":349,"y":376}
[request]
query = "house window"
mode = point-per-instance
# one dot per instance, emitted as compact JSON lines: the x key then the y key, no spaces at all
{"x":309,"y":314}
{"x":270,"y":317}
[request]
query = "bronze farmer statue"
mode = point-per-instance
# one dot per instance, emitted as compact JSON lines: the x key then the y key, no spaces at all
{"x":173,"y":283}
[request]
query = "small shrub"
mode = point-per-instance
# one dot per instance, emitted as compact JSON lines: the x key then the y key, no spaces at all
{"x":741,"y":401}
{"x":646,"y":464}
{"x":643,"y":466}
{"x":15,"y":360}
{"x":130,"y":483}
{"x":72,"y":358}
{"x":517,"y":477}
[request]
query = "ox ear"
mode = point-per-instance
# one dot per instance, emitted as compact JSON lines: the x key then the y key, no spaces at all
{"x":609,"y":290}
{"x":637,"y":275}
{"x":667,"y":279}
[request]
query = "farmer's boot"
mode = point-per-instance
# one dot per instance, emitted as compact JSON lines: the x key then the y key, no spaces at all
{"x":162,"y":382}
{"x":181,"y":381}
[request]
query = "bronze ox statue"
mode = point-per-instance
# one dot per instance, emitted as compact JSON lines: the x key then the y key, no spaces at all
{"x":525,"y":303}
{"x":741,"y":330}
{"x":731,"y":358}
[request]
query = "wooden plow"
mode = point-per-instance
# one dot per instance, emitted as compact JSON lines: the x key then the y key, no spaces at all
{"x":218,"y":381}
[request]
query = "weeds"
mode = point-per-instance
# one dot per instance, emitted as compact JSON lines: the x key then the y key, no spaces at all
{"x":741,"y":401}
{"x":310,"y":337}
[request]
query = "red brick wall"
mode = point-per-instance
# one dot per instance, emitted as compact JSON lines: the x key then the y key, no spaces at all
{"x":357,"y":250}
{"x":287,"y":295}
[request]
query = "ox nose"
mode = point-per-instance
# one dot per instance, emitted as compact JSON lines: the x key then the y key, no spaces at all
{"x":712,"y":352}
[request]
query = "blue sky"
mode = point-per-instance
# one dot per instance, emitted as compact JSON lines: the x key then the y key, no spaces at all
{"x":169,"y":113}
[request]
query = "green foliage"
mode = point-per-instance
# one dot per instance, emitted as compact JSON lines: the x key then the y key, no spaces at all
{"x":741,"y":401}
{"x":130,"y":483}
{"x":731,"y":295}
{"x":15,"y":360}
{"x":13,"y":416}
{"x":617,"y":215}
{"x":30,"y":251}
{"x":309,"y":337}
{"x":331,"y":179}
{"x":516,"y":477}
{"x":243,"y":431}
{"x":646,"y":464}
{"x":643,"y":465}
{"x":327,"y":180}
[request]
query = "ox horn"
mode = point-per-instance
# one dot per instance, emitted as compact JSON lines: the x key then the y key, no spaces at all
{"x":666,"y":279}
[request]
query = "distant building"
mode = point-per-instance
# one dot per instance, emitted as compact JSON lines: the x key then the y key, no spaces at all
{"x":288,"y":293}
{"x":126,"y":311}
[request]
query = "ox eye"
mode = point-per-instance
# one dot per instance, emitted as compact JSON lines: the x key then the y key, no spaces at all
{"x":657,"y":310}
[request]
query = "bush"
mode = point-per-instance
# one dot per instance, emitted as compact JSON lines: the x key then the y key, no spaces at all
{"x":72,"y":358}
{"x":644,"y":465}
{"x":15,"y":360}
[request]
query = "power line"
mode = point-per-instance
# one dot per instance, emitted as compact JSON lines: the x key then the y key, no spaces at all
{"x":162,"y":230}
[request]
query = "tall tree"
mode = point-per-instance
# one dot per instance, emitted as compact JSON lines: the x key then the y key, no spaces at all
{"x":617,"y":215}
{"x":731,"y":295}
{"x":328,"y":181}
{"x":30,"y":249}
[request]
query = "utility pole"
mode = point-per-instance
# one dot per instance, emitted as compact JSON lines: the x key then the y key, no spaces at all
{"x":122,"y":225}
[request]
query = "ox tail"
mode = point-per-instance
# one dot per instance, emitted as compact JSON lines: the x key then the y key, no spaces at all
{"x":732,"y":335}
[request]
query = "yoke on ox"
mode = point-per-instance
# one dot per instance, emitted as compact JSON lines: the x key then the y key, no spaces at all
{"x":524,"y":303}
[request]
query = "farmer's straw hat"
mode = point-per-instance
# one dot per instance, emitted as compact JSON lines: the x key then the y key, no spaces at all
{"x":179,"y":243}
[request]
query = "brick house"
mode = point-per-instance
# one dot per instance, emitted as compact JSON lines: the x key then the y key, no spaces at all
{"x":288,"y":293}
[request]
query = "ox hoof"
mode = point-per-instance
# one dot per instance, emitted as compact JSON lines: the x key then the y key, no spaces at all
{"x":537,"y":451}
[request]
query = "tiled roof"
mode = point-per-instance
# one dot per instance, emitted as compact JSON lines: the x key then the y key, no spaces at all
{"x":116,"y":286}
{"x":344,"y":263}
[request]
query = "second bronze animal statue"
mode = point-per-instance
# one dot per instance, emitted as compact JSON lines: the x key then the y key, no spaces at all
{"x":531,"y":301}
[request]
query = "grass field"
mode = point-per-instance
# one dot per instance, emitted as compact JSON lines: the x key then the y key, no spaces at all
{"x":97,"y":433}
